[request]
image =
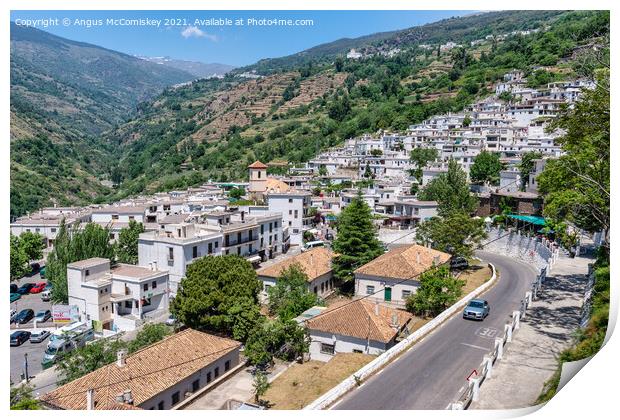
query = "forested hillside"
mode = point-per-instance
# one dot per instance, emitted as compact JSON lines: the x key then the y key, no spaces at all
{"x":64,"y":94}
{"x":213,"y":129}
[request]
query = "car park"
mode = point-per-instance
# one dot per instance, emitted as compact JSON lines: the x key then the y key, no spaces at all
{"x":15,"y":296}
{"x":24,"y":316}
{"x":19,"y":337}
{"x":39,"y":336}
{"x":43,"y":316}
{"x":476,"y":309}
{"x":38,"y":288}
{"x":25,"y":288}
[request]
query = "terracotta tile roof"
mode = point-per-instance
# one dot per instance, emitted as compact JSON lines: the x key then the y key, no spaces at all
{"x":359,"y":318}
{"x":257,"y":165}
{"x":146,"y":373}
{"x":275,"y":185}
{"x":314,"y":262}
{"x":404,"y":262}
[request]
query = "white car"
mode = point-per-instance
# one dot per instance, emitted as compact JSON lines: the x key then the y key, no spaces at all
{"x":39,"y":336}
{"x":171,"y":321}
{"x":13,"y":315}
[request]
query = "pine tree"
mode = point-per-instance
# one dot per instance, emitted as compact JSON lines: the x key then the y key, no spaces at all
{"x":356,"y":242}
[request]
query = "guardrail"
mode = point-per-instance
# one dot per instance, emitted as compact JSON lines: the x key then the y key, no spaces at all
{"x":380,"y":361}
{"x":485,"y":369}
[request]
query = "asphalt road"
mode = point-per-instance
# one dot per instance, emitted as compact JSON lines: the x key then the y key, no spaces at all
{"x":432,"y":373}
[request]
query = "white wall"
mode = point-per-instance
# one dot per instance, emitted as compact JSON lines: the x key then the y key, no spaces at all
{"x":343,"y":344}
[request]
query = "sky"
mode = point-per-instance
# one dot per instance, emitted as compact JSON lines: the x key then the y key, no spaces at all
{"x":195,"y":36}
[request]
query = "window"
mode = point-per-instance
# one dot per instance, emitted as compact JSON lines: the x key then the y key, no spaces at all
{"x":227,"y":366}
{"x":370,"y":290}
{"x":217,"y":244}
{"x":210,"y":248}
{"x":175,"y":398}
{"x":128,"y":304}
{"x":296,"y":213}
{"x":258,"y":176}
{"x":145,"y":287}
{"x":290,"y":212}
{"x":87,"y":272}
{"x":208,"y":377}
{"x":154,"y":285}
{"x":357,"y":351}
{"x":53,"y":230}
{"x":132,"y":217}
{"x":406,"y":294}
{"x":275,"y":225}
{"x":160,"y":405}
{"x":170,"y":254}
{"x":290,"y":200}
{"x":270,"y":227}
{"x":216,"y":372}
{"x":195,"y":385}
{"x":328,"y":348}
{"x":195,"y":252}
{"x":115,"y":217}
{"x":262,"y":229}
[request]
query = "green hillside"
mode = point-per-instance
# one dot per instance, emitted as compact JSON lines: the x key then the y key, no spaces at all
{"x":64,"y":94}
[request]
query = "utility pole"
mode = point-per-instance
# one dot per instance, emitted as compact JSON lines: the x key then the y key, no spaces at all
{"x":26,"y":367}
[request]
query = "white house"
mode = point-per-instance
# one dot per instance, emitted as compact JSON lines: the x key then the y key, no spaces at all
{"x":294,"y":207}
{"x":393,"y":276}
{"x":157,"y":377}
{"x":116,"y":297}
{"x":357,"y":326}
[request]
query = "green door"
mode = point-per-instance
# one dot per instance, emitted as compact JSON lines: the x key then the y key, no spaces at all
{"x":387,"y":294}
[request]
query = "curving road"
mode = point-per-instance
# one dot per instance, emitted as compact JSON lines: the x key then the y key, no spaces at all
{"x":432,"y":373}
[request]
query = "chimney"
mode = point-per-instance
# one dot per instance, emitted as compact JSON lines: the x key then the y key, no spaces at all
{"x":120,"y":398}
{"x":418,"y":257}
{"x":376,"y":309}
{"x":151,"y":266}
{"x":436,"y":260}
{"x":394,"y":320}
{"x":155,"y":265}
{"x":121,"y":358}
{"x":90,"y":399}
{"x":127,"y":397}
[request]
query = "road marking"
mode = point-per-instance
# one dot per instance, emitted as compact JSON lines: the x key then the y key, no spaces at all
{"x":487,"y":332}
{"x":475,"y":347}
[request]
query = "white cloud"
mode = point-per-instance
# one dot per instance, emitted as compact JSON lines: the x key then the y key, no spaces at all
{"x":193,"y":31}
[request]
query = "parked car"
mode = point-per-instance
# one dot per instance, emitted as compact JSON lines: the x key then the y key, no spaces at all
{"x":458,"y":263}
{"x":14,"y":288}
{"x":46,"y":295}
{"x":477,"y":309}
{"x":15,"y":296}
{"x":313,"y":244}
{"x":48,"y":286}
{"x":24,"y":316}
{"x":38,"y":288}
{"x":19,"y":337}
{"x":42,"y":272}
{"x":39,"y":336}
{"x":171,"y":320}
{"x":25,"y":289}
{"x":43,"y":316}
{"x":34,"y":268}
{"x":13,"y":315}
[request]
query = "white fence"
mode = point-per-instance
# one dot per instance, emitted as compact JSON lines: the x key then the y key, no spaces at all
{"x":378,"y":363}
{"x":485,"y":369}
{"x":532,"y":250}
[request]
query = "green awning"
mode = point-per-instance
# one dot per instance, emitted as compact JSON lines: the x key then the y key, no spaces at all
{"x":535,"y":220}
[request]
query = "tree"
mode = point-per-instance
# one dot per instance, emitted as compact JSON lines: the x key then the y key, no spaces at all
{"x":282,"y":339}
{"x":466,"y":121}
{"x":290,"y":296}
{"x":450,"y":190}
{"x":32,"y":244}
{"x":456,"y":233}
{"x":376,"y":152}
{"x":420,"y":157}
{"x":73,"y":245}
{"x":236,"y":193}
{"x":527,"y":166}
{"x":149,"y":334}
{"x":19,"y":259}
{"x":486,"y":168}
{"x":356,"y":242}
{"x":438,"y":290}
{"x":127,"y":245}
{"x":219,"y":293}
{"x":22,"y":399}
{"x":261,"y":385}
{"x":86,"y":359}
{"x":322,"y":170}
{"x":576,"y":186}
